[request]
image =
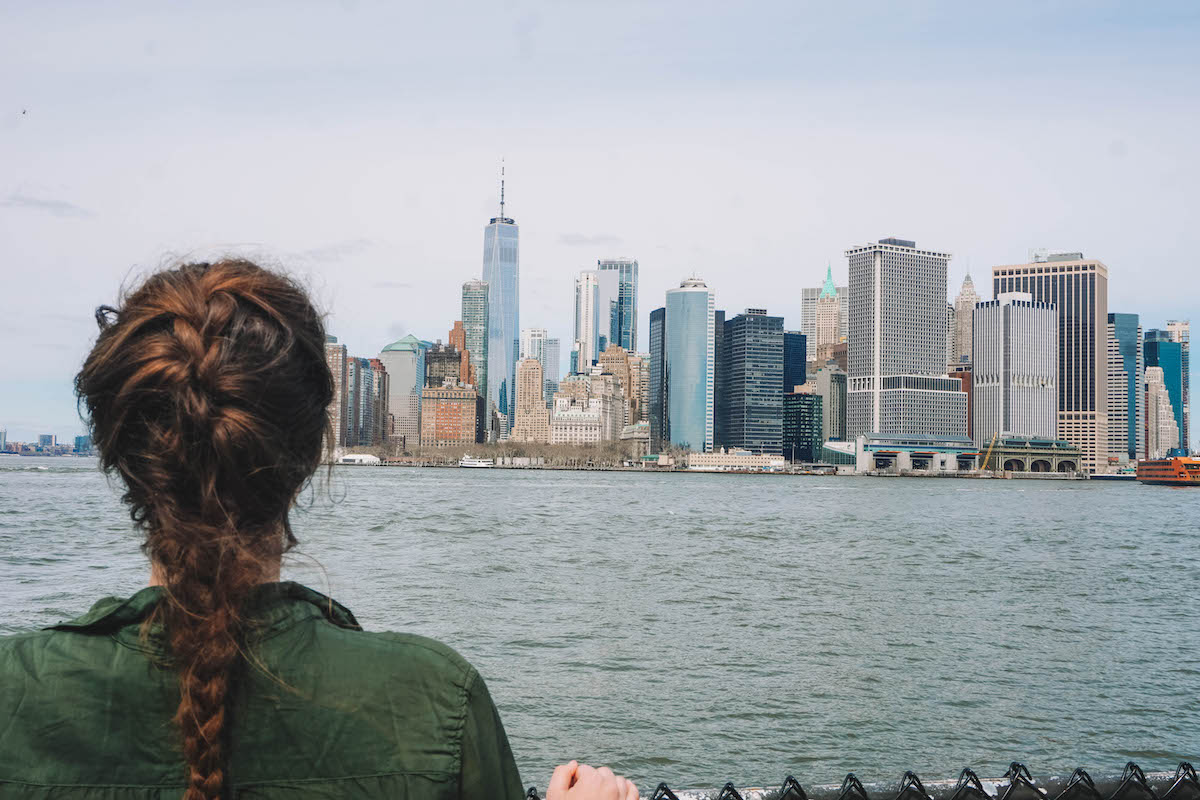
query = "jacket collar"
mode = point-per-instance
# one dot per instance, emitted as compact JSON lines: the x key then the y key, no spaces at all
{"x":272,"y":607}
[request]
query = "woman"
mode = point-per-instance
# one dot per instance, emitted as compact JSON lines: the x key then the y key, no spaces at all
{"x":207,"y":394}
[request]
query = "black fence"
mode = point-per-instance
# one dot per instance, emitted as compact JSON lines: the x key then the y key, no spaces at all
{"x":1016,"y":784}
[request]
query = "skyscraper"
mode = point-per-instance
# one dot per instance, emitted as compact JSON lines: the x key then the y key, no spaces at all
{"x":659,"y":429}
{"x":690,"y":359}
{"x":586,"y":347}
{"x":1014,"y":368}
{"x":1078,"y":289}
{"x":801,"y":426}
{"x":964,"y":307}
{"x":475,"y":315}
{"x":1162,"y":351}
{"x":752,"y":383}
{"x":501,"y":272}
{"x":336,"y":358}
{"x":1180,"y":330}
{"x":897,"y":381}
{"x":536,"y":343}
{"x":617,"y":305}
{"x":831,"y":386}
{"x":532,"y":420}
{"x":795,"y":356}
{"x":404,"y":360}
{"x":1162,"y":431}
{"x":1125,"y":335}
{"x":832,"y":319}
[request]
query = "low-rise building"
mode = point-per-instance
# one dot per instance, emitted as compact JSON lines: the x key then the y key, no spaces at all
{"x":735,"y":461}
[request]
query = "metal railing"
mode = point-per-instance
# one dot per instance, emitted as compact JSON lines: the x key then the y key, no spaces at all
{"x":1016,"y":784}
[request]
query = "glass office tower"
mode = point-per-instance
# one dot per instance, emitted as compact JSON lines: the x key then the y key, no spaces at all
{"x":502,"y":275}
{"x":1160,"y":351}
{"x":690,"y":365}
{"x":618,"y":287}
{"x":1128,"y":336}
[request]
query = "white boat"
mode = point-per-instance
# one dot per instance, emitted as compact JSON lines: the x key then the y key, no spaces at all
{"x":470,"y":461}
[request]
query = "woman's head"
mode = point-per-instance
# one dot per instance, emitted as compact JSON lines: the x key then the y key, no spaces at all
{"x":206,"y":392}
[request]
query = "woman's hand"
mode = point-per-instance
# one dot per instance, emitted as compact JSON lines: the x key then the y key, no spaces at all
{"x":577,"y":781}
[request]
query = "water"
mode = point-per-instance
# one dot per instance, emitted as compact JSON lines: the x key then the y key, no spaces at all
{"x":704,"y":628}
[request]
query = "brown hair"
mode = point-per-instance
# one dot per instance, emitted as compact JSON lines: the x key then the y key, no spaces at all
{"x":207,"y":392}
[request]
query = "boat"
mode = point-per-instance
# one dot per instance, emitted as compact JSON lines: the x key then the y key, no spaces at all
{"x":1170,"y":471}
{"x":470,"y":461}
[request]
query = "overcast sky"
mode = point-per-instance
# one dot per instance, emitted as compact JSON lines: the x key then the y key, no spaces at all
{"x":357,"y":145}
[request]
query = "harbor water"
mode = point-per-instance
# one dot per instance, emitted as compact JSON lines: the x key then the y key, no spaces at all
{"x":698,"y":628}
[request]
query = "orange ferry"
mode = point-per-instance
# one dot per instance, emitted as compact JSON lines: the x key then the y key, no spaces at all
{"x":1177,"y":471}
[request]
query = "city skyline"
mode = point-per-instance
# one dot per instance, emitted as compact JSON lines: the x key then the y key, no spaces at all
{"x":370,"y":185}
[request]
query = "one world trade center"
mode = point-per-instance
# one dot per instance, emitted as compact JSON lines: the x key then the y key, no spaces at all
{"x":502,"y":274}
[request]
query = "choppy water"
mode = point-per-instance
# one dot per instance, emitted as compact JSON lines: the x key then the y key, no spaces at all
{"x":703,"y":628}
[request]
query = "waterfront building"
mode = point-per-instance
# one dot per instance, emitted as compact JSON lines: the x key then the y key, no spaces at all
{"x":1162,"y":431}
{"x":1180,"y":330}
{"x":720,"y":398}
{"x":1125,"y":337}
{"x":752,"y":384}
{"x":404,"y":360}
{"x":587,"y":321}
{"x":723,"y":460}
{"x":335,"y":359}
{"x":448,"y":415}
{"x":47,"y":440}
{"x":690,"y":354}
{"x":532,"y":418}
{"x":1015,"y":377}
{"x":380,"y":415}
{"x":617,"y":288}
{"x":83,"y":444}
{"x":476,"y":321}
{"x":830,"y":383}
{"x":965,"y":375}
{"x":912,"y":452}
{"x":636,"y":437}
{"x":1118,"y":403}
{"x":658,"y":406}
{"x":963,"y":330}
{"x":1031,"y":454}
{"x":897,"y":381}
{"x":795,"y":357}
{"x":1078,"y":289}
{"x":575,"y":423}
{"x":501,"y":272}
{"x":802,"y":425}
{"x":832,"y":326}
{"x":3,"y":439}
{"x":1159,"y":350}
{"x":360,"y":416}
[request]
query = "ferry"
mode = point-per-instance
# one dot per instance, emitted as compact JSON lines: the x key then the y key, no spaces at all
{"x":1170,"y":471}
{"x":469,"y":461}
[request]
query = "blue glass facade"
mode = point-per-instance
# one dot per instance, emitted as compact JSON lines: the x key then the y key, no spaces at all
{"x":501,"y":273}
{"x":795,"y":356}
{"x":1160,"y":351}
{"x":618,"y":302}
{"x":1125,"y":331}
{"x":690,"y":365}
{"x":751,"y":383}
{"x":659,"y":431}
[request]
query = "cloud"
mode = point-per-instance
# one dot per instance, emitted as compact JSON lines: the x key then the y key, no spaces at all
{"x":580,"y":240}
{"x":59,"y":208}
{"x":336,"y":251}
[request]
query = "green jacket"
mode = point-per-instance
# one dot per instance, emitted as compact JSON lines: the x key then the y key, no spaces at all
{"x":328,"y":711}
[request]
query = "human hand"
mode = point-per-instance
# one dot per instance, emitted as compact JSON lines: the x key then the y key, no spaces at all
{"x":575,"y":781}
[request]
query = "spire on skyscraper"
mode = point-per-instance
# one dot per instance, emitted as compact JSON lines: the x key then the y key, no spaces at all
{"x":828,"y":290}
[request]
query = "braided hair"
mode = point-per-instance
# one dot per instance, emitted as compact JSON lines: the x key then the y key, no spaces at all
{"x":207,"y":393}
